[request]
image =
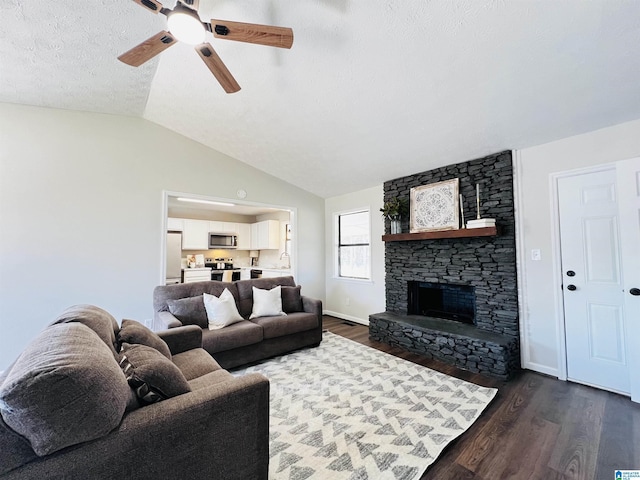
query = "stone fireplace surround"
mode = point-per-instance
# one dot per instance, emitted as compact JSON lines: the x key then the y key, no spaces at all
{"x":488,"y":264}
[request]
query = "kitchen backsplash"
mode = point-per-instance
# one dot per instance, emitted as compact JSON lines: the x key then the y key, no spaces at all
{"x":267,"y":258}
{"x":271,"y":259}
{"x":240,"y":257}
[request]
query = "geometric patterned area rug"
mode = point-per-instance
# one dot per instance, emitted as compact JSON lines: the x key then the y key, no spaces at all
{"x":347,"y":411}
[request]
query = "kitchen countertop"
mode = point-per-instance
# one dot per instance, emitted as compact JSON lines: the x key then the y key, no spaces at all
{"x":271,"y":269}
{"x":198,"y":269}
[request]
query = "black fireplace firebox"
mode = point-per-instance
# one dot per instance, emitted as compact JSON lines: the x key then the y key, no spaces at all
{"x":442,"y":300}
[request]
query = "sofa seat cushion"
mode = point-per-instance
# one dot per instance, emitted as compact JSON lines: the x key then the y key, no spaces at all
{"x":211,"y":378}
{"x":237,"y":335}
{"x":65,"y":388}
{"x":15,"y":450}
{"x":292,"y":323}
{"x":195,"y":363}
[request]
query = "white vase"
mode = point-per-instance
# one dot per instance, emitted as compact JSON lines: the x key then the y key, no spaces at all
{"x":396,"y":226}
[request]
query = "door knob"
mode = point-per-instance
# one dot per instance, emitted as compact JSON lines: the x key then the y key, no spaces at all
{"x":572,"y":287}
{"x":571,"y":273}
{"x":635,"y":291}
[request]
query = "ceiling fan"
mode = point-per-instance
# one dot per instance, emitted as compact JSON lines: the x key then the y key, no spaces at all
{"x":184,"y":24}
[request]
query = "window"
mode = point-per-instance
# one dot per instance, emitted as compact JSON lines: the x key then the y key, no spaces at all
{"x":354,"y":248}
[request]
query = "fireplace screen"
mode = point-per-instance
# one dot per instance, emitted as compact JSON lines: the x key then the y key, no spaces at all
{"x":442,"y":300}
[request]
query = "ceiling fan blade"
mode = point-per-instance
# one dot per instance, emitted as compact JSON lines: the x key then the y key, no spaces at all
{"x":192,"y":4}
{"x":281,"y":37}
{"x":219,"y":70}
{"x":148,"y":49}
{"x":152,"y":5}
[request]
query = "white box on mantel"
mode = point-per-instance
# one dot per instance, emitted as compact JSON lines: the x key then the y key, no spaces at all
{"x":481,"y":223}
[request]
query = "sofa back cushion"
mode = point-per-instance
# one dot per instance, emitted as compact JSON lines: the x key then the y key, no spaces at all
{"x":163,"y":293}
{"x":245,"y":291}
{"x":65,"y":388}
{"x":97,"y":319}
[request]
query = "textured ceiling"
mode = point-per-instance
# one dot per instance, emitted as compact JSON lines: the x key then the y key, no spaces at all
{"x":370,"y":91}
{"x":62,"y":54}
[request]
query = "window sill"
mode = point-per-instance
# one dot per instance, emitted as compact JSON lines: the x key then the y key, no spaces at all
{"x":354,"y":280}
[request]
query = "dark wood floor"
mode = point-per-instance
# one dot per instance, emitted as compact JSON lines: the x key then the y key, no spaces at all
{"x":537,"y":427}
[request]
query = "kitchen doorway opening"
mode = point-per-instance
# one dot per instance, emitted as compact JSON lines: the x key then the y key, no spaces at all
{"x":260,"y":235}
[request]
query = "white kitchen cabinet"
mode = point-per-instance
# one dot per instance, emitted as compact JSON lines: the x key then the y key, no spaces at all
{"x":223,"y":227}
{"x":244,"y":236}
{"x":265,"y":235}
{"x":195,"y":235}
{"x":254,"y":236}
{"x":196,"y":275}
{"x":175,"y":224}
{"x":245,"y":273}
{"x":275,"y":273}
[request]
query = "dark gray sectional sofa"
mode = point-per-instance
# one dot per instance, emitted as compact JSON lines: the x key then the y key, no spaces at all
{"x":74,"y":406}
{"x":251,"y":339}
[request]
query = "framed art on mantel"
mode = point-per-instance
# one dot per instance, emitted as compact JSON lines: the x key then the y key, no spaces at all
{"x":435,"y":207}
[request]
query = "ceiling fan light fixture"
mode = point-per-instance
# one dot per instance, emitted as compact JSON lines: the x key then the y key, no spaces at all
{"x":186,"y":26}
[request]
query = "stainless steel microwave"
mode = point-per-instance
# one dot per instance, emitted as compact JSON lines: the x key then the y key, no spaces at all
{"x":223,"y":240}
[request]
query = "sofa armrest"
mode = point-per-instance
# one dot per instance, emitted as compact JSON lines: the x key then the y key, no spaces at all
{"x":312,"y":305}
{"x":165,"y":320}
{"x":218,"y":431}
{"x":182,"y":339}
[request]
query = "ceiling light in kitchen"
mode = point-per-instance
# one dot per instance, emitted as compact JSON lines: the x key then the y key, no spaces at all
{"x":208,"y":202}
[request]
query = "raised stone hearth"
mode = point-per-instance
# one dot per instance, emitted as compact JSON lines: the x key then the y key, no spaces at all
{"x":462,"y":345}
{"x":485,"y":266}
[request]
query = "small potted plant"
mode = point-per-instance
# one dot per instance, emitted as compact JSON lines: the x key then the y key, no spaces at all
{"x":394,"y":209}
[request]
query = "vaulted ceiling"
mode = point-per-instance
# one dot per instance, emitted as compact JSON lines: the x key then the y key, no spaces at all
{"x":370,"y":91}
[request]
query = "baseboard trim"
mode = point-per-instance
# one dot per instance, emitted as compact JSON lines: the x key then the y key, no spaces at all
{"x":344,"y":316}
{"x":536,"y":367}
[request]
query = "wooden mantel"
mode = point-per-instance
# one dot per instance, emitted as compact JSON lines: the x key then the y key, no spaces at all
{"x":460,"y":233}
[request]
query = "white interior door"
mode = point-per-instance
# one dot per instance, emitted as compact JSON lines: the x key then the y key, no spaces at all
{"x":592,"y":280}
{"x":628,"y":176}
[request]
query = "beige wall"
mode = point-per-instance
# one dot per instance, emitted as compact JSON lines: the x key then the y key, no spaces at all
{"x":81,"y":213}
{"x":534,"y":166}
{"x":364,"y":298}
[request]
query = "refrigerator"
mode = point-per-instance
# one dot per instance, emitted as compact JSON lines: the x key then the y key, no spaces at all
{"x":174,"y":257}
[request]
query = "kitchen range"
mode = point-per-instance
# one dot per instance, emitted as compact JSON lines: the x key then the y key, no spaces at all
{"x":222,"y":269}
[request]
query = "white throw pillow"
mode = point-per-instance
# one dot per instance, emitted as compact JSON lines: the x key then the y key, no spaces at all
{"x":267,"y":303}
{"x":221,"y":311}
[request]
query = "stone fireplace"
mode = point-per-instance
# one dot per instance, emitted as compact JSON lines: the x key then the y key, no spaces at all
{"x":455,"y":299}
